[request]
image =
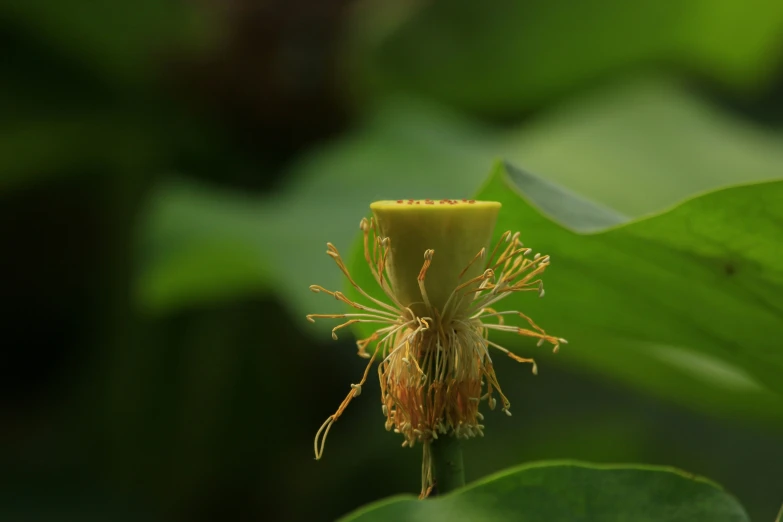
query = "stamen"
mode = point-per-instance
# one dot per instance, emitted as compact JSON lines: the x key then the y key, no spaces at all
{"x":478,"y":256}
{"x":422,"y":274}
{"x":503,"y":239}
{"x":515,"y":356}
{"x":356,"y":389}
{"x":341,"y":297}
{"x":334,"y":254}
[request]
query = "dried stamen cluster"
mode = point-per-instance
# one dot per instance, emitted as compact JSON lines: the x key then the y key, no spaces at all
{"x":435,"y":364}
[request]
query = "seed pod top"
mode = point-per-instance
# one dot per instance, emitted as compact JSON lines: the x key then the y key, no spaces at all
{"x":454,"y":229}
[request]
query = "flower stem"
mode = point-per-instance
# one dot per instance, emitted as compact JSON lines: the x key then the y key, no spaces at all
{"x":447,"y":462}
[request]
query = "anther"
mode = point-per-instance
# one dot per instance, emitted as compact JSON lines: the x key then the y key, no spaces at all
{"x":357,"y":388}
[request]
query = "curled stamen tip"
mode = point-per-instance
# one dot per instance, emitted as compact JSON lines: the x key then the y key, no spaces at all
{"x":428,"y":254}
{"x":315,"y":288}
{"x":334,"y":336}
{"x":364,"y":224}
{"x":357,"y":388}
{"x":528,"y":251}
{"x":507,"y":412}
{"x":385,"y":242}
{"x":489,"y":273}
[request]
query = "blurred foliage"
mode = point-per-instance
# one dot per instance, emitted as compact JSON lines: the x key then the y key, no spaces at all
{"x":626,"y":147}
{"x":170,"y":172}
{"x":518,"y":55}
{"x":564,"y":492}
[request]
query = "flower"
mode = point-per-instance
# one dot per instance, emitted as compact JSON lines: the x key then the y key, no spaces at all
{"x":432,"y":341}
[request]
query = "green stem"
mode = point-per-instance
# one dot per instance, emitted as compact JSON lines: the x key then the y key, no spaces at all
{"x":447,"y":463}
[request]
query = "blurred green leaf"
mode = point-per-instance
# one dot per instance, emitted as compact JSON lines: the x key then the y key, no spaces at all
{"x":204,"y":245}
{"x":54,"y":146}
{"x":519,"y":54}
{"x":643,"y":145}
{"x":569,"y":492}
{"x":635,"y":148}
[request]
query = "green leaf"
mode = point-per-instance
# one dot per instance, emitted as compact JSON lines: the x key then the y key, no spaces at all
{"x":681,"y":303}
{"x":519,"y":55}
{"x":570,"y":492}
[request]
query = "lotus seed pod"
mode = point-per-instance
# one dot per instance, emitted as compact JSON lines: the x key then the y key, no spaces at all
{"x":455,"y":230}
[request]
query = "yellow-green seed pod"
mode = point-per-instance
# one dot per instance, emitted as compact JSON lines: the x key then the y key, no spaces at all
{"x":456,"y":230}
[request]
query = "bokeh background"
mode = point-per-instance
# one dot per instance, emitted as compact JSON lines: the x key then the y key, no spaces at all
{"x":171,"y":170}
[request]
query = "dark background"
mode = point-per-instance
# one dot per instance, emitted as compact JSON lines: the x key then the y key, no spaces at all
{"x":205,"y":409}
